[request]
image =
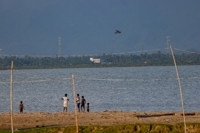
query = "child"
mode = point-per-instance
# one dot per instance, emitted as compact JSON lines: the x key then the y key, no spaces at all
{"x":88,"y":109}
{"x":21,"y":107}
{"x":83,"y":101}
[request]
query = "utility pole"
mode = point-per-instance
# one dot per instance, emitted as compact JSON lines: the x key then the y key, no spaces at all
{"x":168,"y":43}
{"x":59,"y":47}
{"x":179,"y":83}
{"x":11,"y":97}
{"x":142,"y":48}
{"x":0,"y":53}
{"x":75,"y":111}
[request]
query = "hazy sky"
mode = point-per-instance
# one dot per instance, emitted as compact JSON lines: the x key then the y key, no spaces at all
{"x":88,"y":26}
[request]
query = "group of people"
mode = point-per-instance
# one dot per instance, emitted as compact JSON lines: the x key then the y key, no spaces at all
{"x":80,"y":103}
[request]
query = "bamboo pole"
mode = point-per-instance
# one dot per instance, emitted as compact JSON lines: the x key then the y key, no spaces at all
{"x":179,"y":83}
{"x":11,"y":97}
{"x":75,"y":111}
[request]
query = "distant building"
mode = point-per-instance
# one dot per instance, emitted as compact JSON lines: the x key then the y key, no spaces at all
{"x":95,"y":60}
{"x":145,"y":62}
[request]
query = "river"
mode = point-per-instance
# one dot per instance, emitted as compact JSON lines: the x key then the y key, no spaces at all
{"x":115,"y":88}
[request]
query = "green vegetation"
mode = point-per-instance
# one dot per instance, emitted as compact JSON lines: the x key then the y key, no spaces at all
{"x":154,"y":59}
{"x":136,"y":128}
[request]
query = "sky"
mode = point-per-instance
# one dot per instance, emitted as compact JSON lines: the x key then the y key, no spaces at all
{"x":87,"y":27}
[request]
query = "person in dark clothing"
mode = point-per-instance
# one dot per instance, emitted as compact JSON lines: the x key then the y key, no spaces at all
{"x":88,"y":107}
{"x":21,"y":107}
{"x":83,"y":101}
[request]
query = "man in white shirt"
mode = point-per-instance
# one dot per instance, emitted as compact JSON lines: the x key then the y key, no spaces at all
{"x":65,"y":102}
{"x":78,"y":102}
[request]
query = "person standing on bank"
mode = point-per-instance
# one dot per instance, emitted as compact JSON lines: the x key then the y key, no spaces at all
{"x":88,"y":107}
{"x":65,"y":102}
{"x":83,"y":101}
{"x":21,"y":107}
{"x":78,"y":102}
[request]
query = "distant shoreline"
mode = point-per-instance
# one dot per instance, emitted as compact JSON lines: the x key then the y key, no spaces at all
{"x":105,"y":60}
{"x":100,"y":66}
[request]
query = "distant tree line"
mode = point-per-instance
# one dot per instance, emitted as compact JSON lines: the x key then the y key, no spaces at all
{"x":107,"y":60}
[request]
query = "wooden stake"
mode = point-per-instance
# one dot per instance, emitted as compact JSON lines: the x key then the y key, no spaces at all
{"x":11,"y":97}
{"x":179,"y":83}
{"x":75,"y":111}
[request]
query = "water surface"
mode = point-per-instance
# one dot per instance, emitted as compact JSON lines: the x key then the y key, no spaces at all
{"x":118,"y":88}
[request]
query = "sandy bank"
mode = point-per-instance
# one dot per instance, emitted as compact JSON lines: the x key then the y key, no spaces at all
{"x":44,"y":119}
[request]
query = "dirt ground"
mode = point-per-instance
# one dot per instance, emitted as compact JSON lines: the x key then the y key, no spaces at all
{"x":107,"y":118}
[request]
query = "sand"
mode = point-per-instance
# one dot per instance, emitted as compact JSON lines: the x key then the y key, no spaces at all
{"x":108,"y":118}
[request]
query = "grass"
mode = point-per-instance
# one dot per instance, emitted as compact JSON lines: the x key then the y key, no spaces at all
{"x":133,"y":128}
